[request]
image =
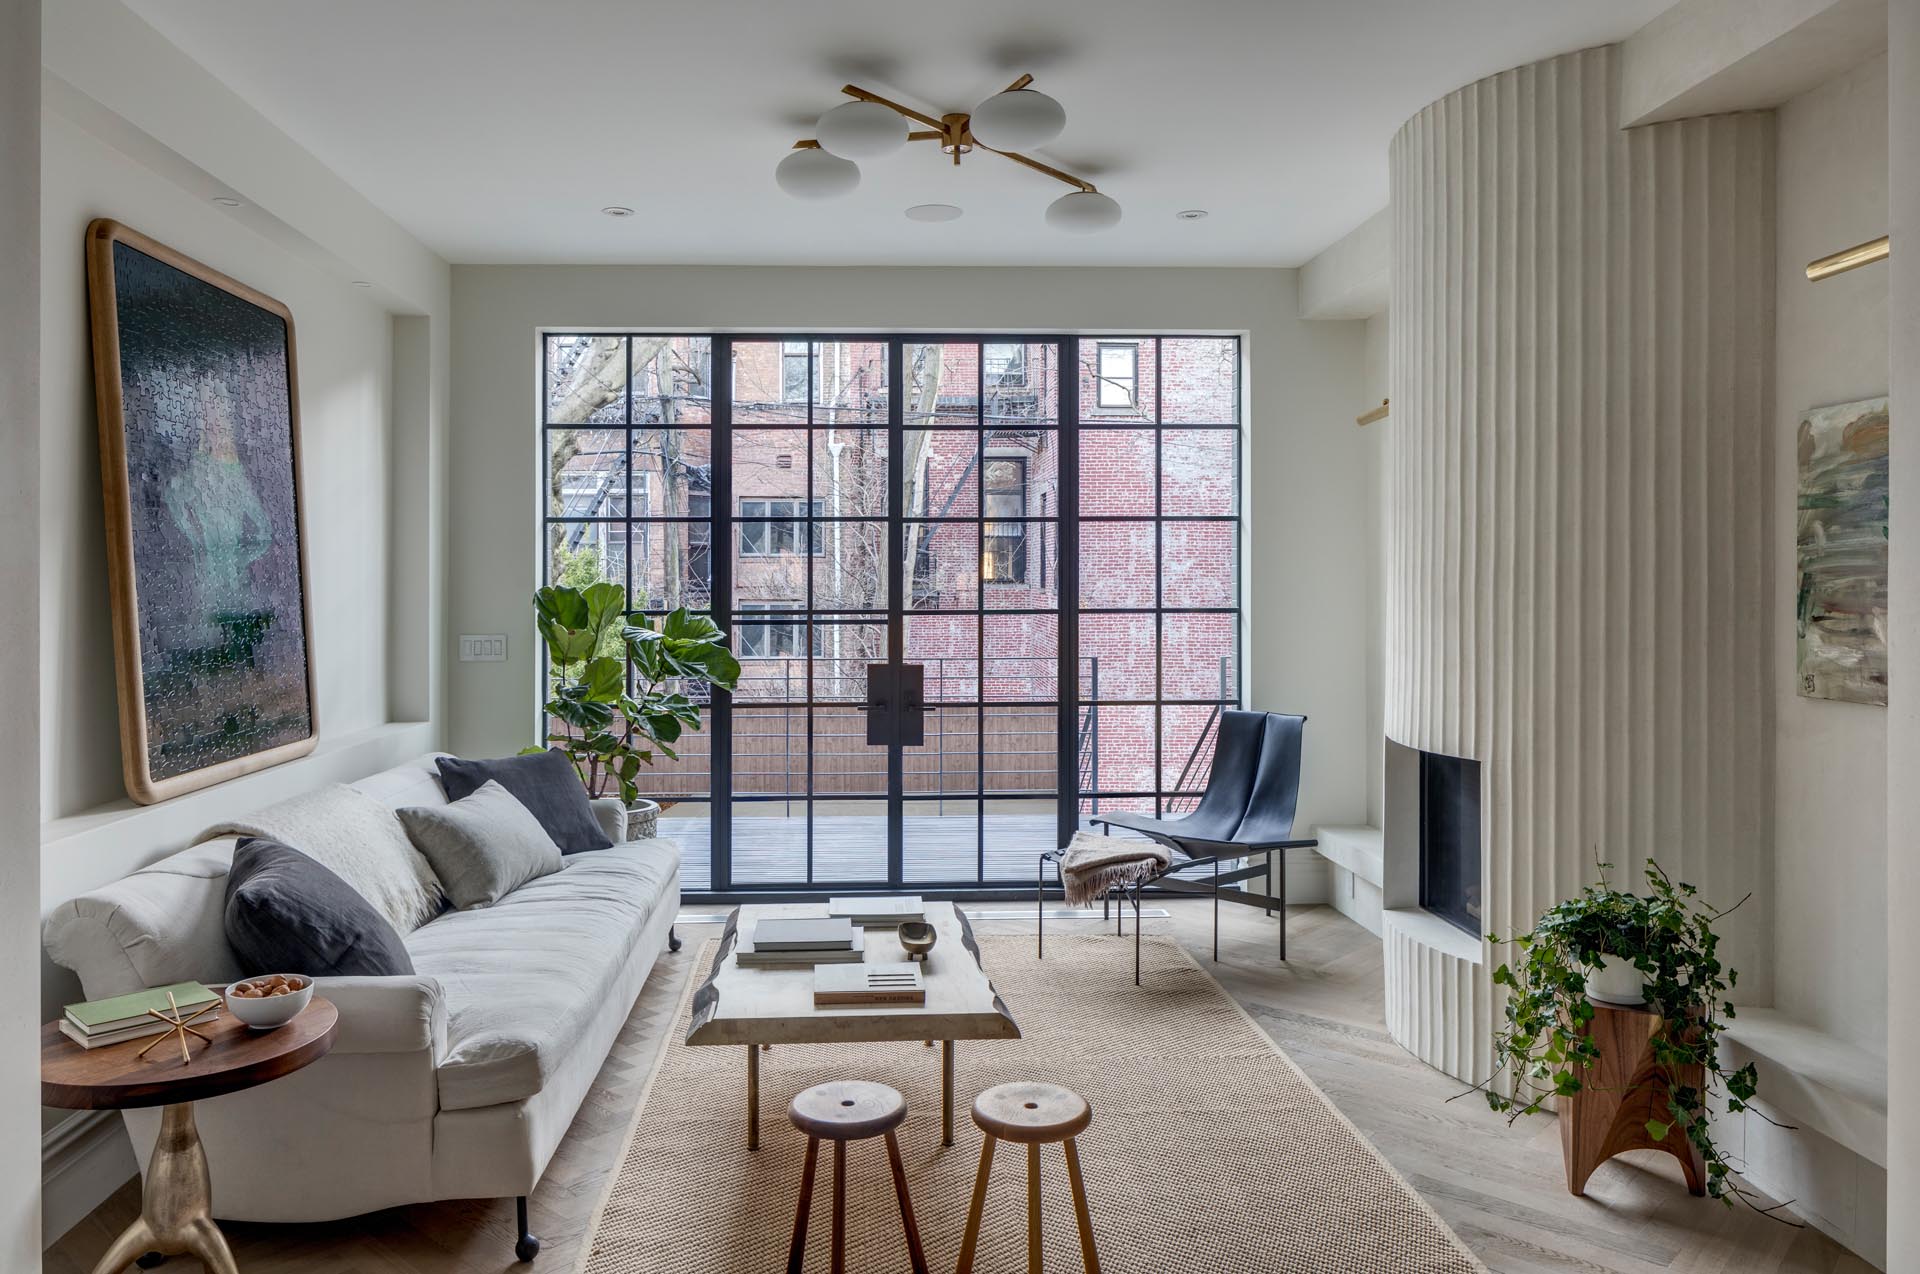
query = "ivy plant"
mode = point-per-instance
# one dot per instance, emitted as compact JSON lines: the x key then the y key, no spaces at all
{"x":607,"y":725}
{"x":1544,"y":1050}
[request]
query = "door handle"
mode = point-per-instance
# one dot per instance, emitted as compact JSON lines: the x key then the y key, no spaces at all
{"x":896,"y":705}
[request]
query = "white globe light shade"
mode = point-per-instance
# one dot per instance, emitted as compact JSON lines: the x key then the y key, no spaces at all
{"x":814,"y":174}
{"x":861,"y":130}
{"x":1083,"y":212}
{"x":1018,"y":119}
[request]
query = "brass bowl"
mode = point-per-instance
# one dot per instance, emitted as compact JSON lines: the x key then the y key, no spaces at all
{"x":918,"y":937}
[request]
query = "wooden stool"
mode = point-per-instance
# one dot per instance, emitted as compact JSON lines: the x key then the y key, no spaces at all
{"x":1033,"y":1115}
{"x":848,"y":1110}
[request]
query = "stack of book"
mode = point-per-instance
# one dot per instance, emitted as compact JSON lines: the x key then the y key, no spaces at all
{"x":97,"y":1023}
{"x":878,"y":912}
{"x":788,"y":943}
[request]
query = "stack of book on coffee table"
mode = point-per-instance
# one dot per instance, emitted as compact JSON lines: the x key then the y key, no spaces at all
{"x":786,"y":943}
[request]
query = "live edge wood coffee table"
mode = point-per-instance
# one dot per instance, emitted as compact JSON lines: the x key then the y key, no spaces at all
{"x":758,"y":1008}
{"x":176,"y":1209}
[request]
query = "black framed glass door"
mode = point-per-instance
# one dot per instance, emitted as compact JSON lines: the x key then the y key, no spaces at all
{"x":894,"y":591}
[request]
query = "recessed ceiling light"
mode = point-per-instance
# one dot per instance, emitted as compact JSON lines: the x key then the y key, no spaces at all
{"x":933,"y":212}
{"x":361,"y":283}
{"x":616,"y":210}
{"x":227,"y":201}
{"x":1191,"y":214}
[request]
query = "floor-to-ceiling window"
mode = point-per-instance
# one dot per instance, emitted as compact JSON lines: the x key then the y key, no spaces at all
{"x":1159,"y":595}
{"x":976,"y":599}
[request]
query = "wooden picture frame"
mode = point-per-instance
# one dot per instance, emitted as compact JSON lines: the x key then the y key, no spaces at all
{"x":198,"y":558}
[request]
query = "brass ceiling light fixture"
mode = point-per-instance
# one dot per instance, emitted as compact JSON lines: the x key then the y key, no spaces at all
{"x":1007,"y":124}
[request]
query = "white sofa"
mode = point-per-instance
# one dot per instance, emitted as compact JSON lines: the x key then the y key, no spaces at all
{"x":457,"y":1082}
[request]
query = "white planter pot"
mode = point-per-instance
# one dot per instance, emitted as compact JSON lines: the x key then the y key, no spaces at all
{"x":1615,"y":981}
{"x":643,"y":820}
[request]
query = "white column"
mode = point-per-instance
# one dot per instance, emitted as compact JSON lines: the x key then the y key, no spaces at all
{"x":1579,"y":575}
{"x":20,"y":631}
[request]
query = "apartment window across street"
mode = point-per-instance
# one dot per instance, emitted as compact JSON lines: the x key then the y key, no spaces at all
{"x":795,"y":370}
{"x":771,"y":527}
{"x":1003,"y":557}
{"x":786,"y":639}
{"x":1119,"y":379}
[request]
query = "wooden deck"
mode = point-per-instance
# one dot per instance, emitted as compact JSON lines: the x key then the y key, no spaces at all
{"x":771,"y":848}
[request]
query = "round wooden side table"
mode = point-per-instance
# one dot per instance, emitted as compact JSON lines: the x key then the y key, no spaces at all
{"x":176,"y":1209}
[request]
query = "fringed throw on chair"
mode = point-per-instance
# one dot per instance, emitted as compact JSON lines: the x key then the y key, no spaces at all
{"x":1095,"y":864}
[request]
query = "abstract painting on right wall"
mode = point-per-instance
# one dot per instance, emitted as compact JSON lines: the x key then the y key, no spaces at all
{"x":1841,"y":601}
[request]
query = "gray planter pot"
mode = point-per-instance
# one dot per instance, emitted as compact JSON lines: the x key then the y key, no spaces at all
{"x":643,"y":820}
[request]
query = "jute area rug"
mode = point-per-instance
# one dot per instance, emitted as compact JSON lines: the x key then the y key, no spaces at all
{"x":1209,"y":1150}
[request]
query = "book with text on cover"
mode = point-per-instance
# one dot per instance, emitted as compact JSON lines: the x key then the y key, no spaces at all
{"x":901,"y":982}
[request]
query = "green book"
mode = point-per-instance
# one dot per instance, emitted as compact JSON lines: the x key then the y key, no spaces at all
{"x":121,"y":1011}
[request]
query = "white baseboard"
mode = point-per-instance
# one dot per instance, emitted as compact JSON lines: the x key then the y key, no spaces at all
{"x":83,"y":1159}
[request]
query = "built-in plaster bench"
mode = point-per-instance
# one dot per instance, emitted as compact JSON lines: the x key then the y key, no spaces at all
{"x":1356,"y":857}
{"x":1832,"y":1161}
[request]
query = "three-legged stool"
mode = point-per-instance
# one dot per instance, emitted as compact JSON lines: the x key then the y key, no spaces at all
{"x":843,"y":1111}
{"x":1032,"y":1115}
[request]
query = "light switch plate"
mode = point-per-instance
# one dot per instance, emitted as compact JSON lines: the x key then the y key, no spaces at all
{"x":483,"y":648}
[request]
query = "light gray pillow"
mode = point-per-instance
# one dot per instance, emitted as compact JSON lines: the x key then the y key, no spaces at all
{"x":482,"y":846}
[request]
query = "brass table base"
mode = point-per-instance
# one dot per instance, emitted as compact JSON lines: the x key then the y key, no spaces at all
{"x":176,"y":1208}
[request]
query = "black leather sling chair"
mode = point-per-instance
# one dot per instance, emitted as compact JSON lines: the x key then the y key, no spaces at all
{"x":1245,"y":813}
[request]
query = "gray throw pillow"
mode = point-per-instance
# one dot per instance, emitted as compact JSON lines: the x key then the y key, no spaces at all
{"x":546,"y":784}
{"x":484,"y":846}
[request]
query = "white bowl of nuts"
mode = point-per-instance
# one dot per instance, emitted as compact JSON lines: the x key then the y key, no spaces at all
{"x":273,"y":1000}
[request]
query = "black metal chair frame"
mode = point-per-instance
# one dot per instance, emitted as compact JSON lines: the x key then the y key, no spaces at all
{"x":1256,"y":801}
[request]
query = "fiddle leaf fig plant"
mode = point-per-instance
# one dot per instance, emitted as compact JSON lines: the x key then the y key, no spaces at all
{"x":1544,"y":1049}
{"x":607,"y":727}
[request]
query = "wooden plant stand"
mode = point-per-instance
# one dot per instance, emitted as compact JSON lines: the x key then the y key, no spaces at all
{"x":1618,"y":1095}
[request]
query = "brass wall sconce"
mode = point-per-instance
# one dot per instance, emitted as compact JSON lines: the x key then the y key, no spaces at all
{"x":1851,"y":259}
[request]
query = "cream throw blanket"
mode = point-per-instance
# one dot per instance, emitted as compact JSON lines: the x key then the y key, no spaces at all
{"x":359,"y":840}
{"x":1094,"y":864}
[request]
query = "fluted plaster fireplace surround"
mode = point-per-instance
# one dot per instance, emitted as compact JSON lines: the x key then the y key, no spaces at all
{"x":1580,"y":529}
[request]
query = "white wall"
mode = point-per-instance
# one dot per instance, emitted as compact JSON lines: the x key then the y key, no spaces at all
{"x":1830,"y":788}
{"x":132,"y":129}
{"x":19,"y":651}
{"x":1306,"y":462}
{"x":1903,"y":720}
{"x":345,"y":353}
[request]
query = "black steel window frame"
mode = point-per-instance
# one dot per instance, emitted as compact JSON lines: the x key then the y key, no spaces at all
{"x":1183,"y":792}
{"x":1072,"y":419}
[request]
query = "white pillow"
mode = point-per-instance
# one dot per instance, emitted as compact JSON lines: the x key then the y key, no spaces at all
{"x":359,"y":840}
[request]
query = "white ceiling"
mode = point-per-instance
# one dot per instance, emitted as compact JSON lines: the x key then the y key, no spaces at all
{"x":495,"y":130}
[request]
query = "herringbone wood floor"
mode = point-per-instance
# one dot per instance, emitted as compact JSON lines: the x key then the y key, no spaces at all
{"x":1499,"y":1187}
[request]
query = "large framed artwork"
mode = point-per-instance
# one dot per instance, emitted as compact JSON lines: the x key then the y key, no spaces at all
{"x":199,"y":415}
{"x":1840,"y":609}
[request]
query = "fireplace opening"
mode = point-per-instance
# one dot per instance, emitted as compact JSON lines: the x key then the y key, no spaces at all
{"x":1450,"y":839}
{"x":1433,"y":834}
